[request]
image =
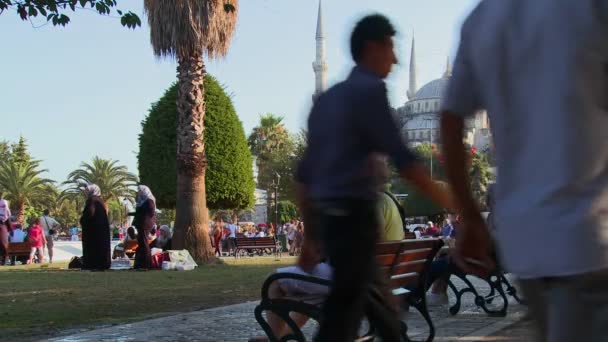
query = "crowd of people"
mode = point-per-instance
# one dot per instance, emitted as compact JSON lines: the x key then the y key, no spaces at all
{"x":223,"y":235}
{"x":39,"y":234}
{"x":95,"y":230}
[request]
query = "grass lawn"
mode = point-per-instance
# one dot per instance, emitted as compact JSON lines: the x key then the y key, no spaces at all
{"x":39,"y":301}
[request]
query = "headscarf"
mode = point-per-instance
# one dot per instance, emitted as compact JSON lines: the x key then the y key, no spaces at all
{"x":167,"y":230}
{"x":92,"y":190}
{"x":143,"y":194}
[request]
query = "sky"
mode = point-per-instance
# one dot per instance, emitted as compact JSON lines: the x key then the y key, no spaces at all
{"x":83,"y":90}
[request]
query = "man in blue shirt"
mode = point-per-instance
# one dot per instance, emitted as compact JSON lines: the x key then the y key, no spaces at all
{"x":348,"y":126}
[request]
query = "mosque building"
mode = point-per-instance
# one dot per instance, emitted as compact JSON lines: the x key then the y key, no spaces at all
{"x":419,"y":116}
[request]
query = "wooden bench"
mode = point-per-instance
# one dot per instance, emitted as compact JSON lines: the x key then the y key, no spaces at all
{"x":19,"y":249}
{"x":246,"y":246}
{"x":406,"y":264}
{"x":408,"y":267}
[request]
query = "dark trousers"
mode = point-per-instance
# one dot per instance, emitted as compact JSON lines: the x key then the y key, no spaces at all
{"x":349,"y":233}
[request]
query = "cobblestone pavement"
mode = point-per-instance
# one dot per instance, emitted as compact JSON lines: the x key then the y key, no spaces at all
{"x":237,"y":323}
{"x":520,"y":331}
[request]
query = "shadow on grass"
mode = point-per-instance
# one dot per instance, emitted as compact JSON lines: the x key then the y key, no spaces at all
{"x":43,"y":301}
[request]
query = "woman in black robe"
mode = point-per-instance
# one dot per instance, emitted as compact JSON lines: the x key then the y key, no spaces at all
{"x":95,"y":231}
{"x":144,"y":221}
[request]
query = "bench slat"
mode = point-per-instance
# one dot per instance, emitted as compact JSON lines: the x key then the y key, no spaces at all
{"x":405,"y":280}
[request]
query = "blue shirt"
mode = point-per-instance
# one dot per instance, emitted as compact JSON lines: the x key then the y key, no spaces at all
{"x":348,"y":124}
{"x":446,"y":230}
{"x":540,"y":70}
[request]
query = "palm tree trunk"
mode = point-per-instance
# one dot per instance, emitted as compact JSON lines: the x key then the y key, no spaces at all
{"x":191,"y":221}
{"x":20,"y":213}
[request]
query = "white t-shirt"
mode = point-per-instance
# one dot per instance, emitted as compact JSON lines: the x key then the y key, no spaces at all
{"x":261,"y":234}
{"x":539,"y":69}
{"x":17,"y":236}
{"x":5,"y":210}
{"x":47,"y":222}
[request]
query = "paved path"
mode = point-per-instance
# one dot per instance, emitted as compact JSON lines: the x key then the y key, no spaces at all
{"x":236,"y":323}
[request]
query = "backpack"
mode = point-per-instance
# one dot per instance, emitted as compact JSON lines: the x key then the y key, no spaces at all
{"x":399,"y":208}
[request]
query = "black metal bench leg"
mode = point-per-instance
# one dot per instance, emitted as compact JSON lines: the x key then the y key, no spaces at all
{"x":454,"y":309}
{"x":495,"y":283}
{"x":420,"y":305}
{"x":511,"y":290}
{"x":263,"y":323}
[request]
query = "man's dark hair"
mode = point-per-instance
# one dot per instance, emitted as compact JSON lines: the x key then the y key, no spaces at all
{"x":46,"y":212}
{"x":372,"y":28}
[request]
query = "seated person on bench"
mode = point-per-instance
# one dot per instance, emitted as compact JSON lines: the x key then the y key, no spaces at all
{"x":292,"y":287}
{"x":390,"y":229}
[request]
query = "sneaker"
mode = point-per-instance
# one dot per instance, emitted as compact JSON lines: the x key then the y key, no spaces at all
{"x":436,"y":298}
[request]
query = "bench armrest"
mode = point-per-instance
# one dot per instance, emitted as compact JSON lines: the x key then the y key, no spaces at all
{"x":286,"y":275}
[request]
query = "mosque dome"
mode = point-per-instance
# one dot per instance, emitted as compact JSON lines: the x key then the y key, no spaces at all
{"x":433,"y":89}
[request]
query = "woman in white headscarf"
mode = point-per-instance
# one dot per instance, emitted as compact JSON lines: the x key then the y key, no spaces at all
{"x":95,"y":231}
{"x":144,"y":221}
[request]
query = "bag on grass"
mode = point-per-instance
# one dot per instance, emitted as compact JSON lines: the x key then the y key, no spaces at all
{"x":75,"y":263}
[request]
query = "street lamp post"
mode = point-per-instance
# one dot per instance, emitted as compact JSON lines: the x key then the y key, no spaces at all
{"x":276,"y":201}
{"x":430,"y":127}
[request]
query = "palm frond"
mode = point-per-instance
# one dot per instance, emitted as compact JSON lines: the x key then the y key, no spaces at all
{"x":188,"y":28}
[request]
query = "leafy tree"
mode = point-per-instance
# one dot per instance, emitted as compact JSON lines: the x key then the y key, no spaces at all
{"x":276,"y":157}
{"x":428,"y":152}
{"x":480,"y":177}
{"x":187,"y":31}
{"x":229,"y":178}
{"x":114,"y":180}
{"x":5,"y":150}
{"x":117,"y":213}
{"x":287,"y":211}
{"x":166,"y":216}
{"x":53,"y":11}
{"x":29,"y":214}
{"x":20,"y":153}
{"x":300,"y":142}
{"x":417,"y":204}
{"x":67,"y":213}
{"x":21,"y":183}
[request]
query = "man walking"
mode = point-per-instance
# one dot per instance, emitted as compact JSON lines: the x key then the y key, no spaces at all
{"x":540,"y":68}
{"x":347,"y":127}
{"x":50,"y":226}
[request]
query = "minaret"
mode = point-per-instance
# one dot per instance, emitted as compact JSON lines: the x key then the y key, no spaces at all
{"x":448,"y":68}
{"x":319,"y":66}
{"x":411,"y":92}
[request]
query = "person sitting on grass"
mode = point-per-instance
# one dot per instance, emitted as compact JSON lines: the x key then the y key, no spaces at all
{"x":163,"y":240}
{"x":119,"y":250}
{"x":37,"y":240}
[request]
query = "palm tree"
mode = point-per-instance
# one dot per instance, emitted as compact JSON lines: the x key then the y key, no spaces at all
{"x":114,"y":180}
{"x":271,"y":135}
{"x":21,"y":183}
{"x":187,"y":30}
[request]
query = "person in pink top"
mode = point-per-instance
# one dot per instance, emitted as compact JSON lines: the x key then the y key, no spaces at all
{"x":37,"y":240}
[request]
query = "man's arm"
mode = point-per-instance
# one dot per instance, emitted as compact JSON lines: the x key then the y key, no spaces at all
{"x":474,"y":241}
{"x":452,"y":136}
{"x":385,"y":137}
{"x":309,"y":255}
